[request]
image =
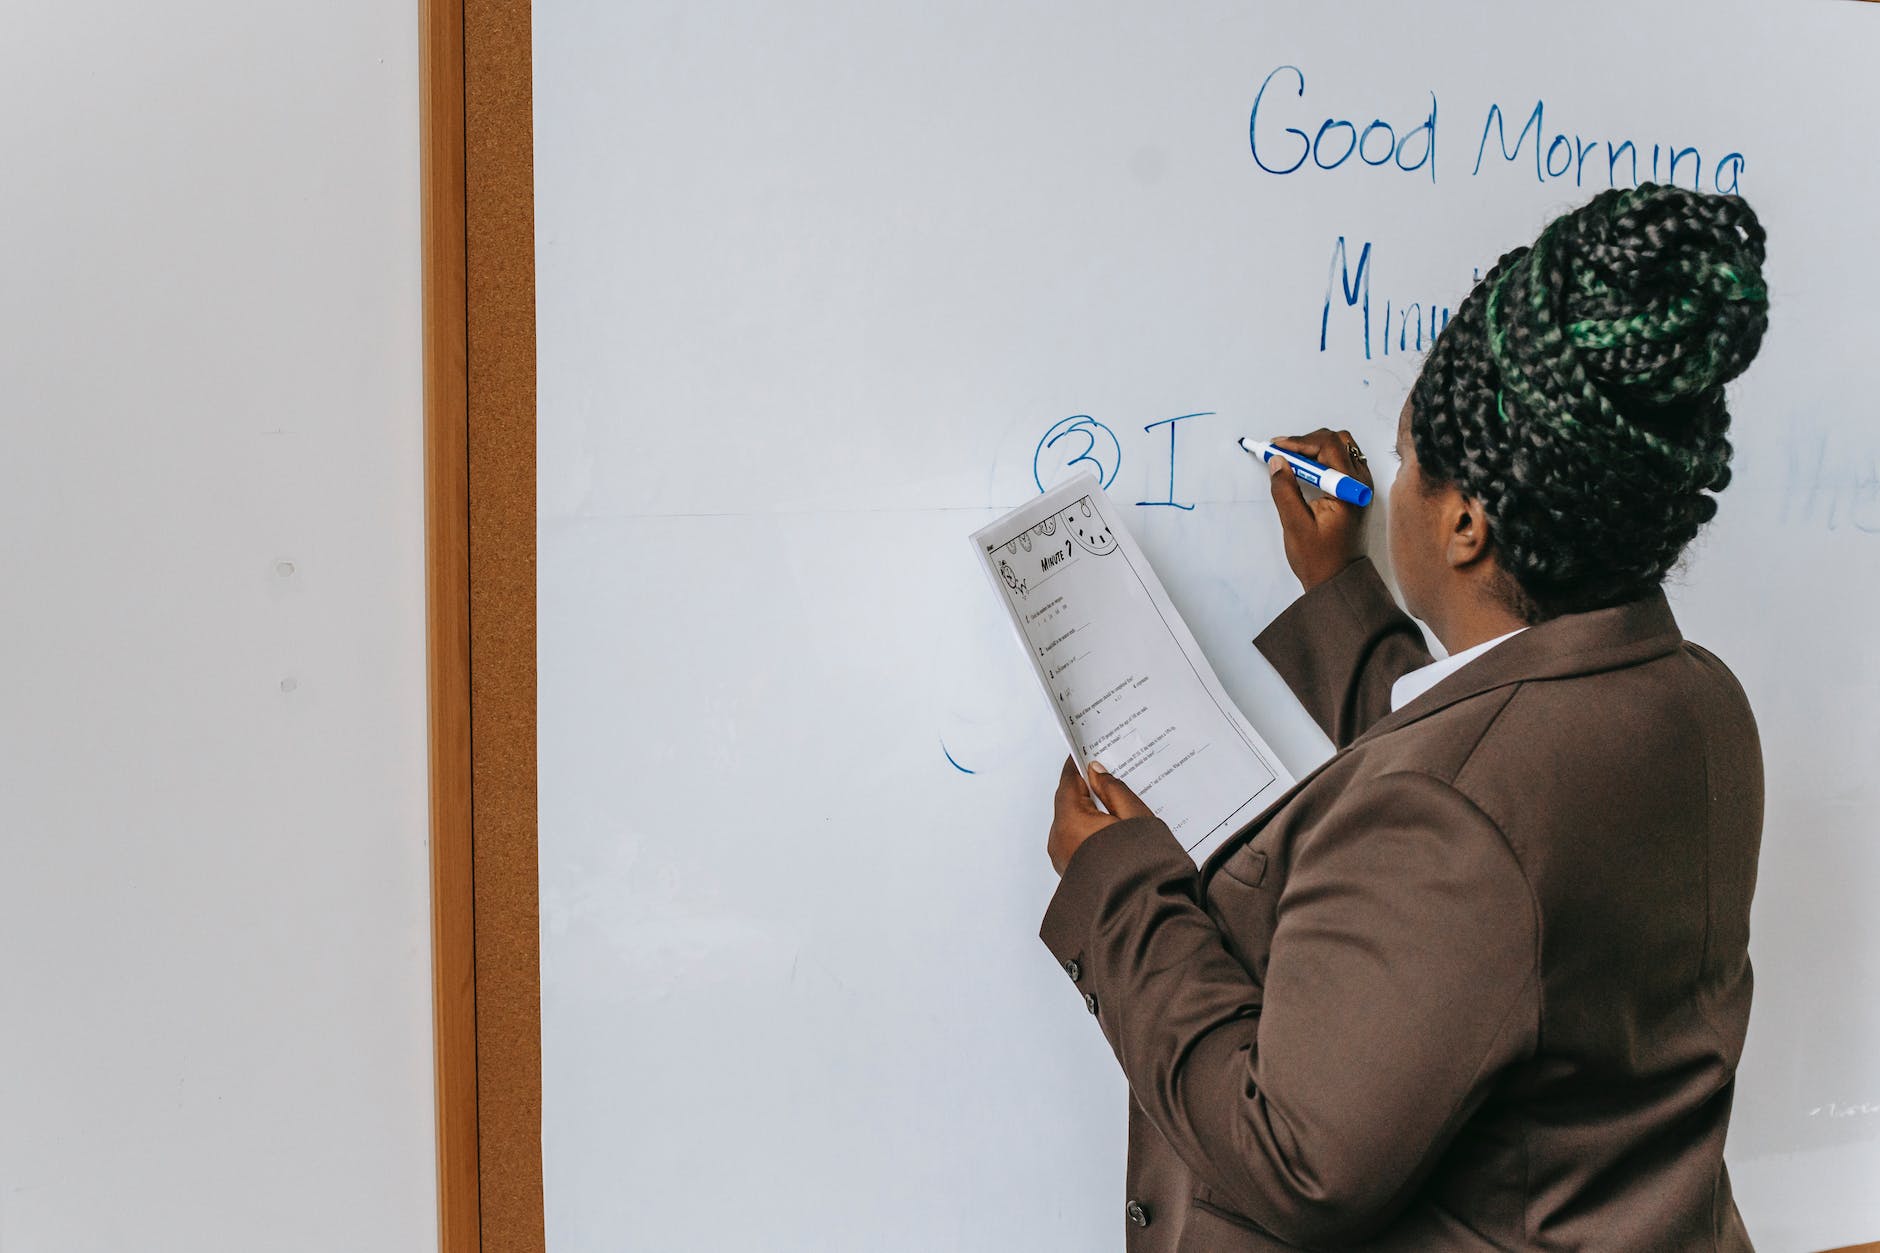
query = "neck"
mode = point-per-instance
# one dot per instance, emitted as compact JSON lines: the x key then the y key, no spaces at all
{"x":1475,"y":620}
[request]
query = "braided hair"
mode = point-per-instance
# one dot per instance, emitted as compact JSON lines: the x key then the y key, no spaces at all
{"x":1578,"y":392}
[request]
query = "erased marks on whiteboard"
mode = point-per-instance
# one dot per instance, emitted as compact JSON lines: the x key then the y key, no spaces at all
{"x":982,"y":704}
{"x":1832,"y":481}
{"x":639,"y":922}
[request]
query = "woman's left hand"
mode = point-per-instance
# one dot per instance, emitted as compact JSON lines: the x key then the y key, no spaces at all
{"x":1075,"y":818}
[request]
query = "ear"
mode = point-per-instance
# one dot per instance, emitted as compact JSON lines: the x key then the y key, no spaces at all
{"x":1468,"y":538}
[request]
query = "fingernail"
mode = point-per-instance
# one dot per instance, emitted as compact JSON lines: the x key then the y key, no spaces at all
{"x":1096,"y":767}
{"x":1277,"y":466}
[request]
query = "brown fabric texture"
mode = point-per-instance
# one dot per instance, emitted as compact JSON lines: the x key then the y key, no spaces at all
{"x":1480,"y":981}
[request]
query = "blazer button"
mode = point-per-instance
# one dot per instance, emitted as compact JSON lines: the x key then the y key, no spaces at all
{"x":1090,"y":1001}
{"x":1138,"y":1213}
{"x":1072,"y":969}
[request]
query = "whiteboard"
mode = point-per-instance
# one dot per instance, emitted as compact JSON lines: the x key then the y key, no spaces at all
{"x":823,"y":288}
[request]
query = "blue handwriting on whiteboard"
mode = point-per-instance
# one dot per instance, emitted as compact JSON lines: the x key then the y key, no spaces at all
{"x":1410,"y":331}
{"x":1565,"y":155}
{"x":1337,"y":140}
{"x":1170,"y":424}
{"x":1326,"y":141}
{"x":1061,"y":448}
{"x":1078,"y":439}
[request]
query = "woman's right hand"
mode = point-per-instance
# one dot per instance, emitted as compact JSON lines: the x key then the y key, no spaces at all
{"x":1325,"y":535}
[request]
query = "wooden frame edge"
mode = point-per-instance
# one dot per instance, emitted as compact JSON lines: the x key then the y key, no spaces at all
{"x":447,"y":618}
{"x":499,"y":268}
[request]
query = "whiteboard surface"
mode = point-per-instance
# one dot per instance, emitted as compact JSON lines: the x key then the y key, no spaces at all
{"x":816,"y":284}
{"x":215,"y":1023}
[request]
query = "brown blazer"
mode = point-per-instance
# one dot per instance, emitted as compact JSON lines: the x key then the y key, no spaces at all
{"x":1480,"y":981}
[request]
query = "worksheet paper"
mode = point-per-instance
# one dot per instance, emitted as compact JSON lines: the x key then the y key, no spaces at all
{"x":1122,"y":671}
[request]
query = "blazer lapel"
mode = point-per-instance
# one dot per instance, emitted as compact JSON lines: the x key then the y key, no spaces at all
{"x":1578,"y":643}
{"x":1575,"y":643}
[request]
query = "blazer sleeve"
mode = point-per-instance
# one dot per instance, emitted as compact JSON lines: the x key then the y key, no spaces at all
{"x":1340,"y":646}
{"x":1403,"y":976}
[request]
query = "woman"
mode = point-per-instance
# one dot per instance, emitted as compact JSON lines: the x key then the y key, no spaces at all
{"x":1480,"y":981}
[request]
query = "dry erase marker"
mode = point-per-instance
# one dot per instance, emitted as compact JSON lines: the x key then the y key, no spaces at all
{"x":1326,"y":479}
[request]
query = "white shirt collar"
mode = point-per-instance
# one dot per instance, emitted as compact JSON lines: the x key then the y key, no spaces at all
{"x":1412,"y":685}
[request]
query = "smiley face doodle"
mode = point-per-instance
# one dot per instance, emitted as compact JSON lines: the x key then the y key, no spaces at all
{"x":1024,"y":541}
{"x":1048,"y":527}
{"x":1092,"y":535}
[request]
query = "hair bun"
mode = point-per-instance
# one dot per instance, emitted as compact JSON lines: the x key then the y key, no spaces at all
{"x":1624,"y":320}
{"x":1578,"y":391}
{"x":1664,"y":295}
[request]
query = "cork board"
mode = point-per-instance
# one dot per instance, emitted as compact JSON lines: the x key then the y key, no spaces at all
{"x":479,"y":319}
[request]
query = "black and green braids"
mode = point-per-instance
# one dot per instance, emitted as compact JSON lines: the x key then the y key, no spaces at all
{"x":1578,"y":391}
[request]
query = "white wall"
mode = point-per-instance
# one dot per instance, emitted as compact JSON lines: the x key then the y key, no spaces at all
{"x":214,"y":947}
